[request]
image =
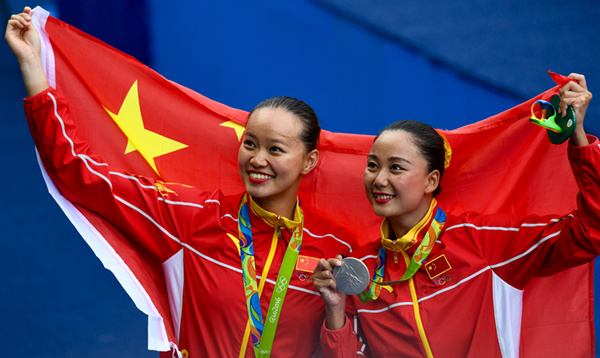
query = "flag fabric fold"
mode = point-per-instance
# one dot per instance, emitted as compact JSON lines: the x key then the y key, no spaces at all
{"x":500,"y":164}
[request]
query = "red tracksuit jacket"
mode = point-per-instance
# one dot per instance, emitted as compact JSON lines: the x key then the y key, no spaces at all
{"x":192,"y":234}
{"x":468,"y":293}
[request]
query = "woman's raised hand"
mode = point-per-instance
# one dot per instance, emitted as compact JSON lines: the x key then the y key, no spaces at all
{"x":22,"y":37}
{"x":335,"y":300}
{"x":23,"y":40}
{"x":576,"y":95}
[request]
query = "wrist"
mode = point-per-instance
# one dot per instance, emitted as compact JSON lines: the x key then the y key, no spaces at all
{"x":336,"y":316}
{"x":34,"y":77}
{"x":579,"y":137}
{"x":335,"y":323}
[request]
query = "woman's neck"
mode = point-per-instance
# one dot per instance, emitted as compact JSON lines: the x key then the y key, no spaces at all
{"x":283,"y":208}
{"x":402,"y":224}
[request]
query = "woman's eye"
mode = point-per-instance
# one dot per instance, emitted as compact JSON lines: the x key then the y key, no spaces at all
{"x":276,"y":149}
{"x":371,"y":165}
{"x":249,"y":143}
{"x":396,"y":167}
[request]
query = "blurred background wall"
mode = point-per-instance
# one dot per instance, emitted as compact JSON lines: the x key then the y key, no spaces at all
{"x":360,"y":64}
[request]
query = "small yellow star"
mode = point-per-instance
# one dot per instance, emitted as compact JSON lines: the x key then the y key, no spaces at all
{"x":149,"y":144}
{"x":238,"y":128}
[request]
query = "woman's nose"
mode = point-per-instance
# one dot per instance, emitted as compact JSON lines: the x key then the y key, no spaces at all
{"x":381,"y":179}
{"x":258,"y":159}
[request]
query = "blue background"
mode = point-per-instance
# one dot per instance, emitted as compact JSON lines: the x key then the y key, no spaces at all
{"x":360,"y":64}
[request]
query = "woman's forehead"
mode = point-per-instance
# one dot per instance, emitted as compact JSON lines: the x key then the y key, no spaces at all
{"x":274,"y":121}
{"x":395,"y":143}
{"x":393,"y":138}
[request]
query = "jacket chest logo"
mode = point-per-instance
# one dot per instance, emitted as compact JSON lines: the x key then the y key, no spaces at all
{"x":437,"y":268}
{"x":305,"y":267}
{"x":306,"y":263}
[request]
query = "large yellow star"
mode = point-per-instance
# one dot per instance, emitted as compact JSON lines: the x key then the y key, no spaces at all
{"x":238,"y":128}
{"x":149,"y":144}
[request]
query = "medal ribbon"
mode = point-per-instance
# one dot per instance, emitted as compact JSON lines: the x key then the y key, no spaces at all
{"x":263,"y":335}
{"x":420,"y":255}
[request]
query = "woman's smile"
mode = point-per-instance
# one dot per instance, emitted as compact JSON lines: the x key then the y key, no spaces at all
{"x":382,"y":198}
{"x":258,"y":177}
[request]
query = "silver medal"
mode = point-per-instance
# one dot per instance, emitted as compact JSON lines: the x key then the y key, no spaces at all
{"x":352,"y":277}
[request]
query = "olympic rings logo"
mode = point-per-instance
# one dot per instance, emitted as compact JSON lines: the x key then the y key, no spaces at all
{"x":304,"y":276}
{"x":282,"y":285}
{"x":440,"y":281}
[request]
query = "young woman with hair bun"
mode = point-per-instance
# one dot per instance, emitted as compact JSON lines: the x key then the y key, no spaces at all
{"x":231,"y":262}
{"x":445,"y":285}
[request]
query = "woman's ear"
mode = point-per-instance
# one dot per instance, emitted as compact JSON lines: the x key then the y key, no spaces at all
{"x":310,"y":161}
{"x":433,"y":180}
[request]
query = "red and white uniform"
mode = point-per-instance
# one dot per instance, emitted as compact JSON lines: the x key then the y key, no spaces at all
{"x":193,"y":234}
{"x":469,"y":291}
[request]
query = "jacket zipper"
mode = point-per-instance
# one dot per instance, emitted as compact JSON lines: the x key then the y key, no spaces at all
{"x":413,"y":295}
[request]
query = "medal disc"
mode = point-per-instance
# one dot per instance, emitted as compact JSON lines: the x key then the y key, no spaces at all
{"x":352,"y":277}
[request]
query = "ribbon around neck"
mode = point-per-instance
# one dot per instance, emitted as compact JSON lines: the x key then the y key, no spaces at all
{"x":263,"y":331}
{"x":422,"y":252}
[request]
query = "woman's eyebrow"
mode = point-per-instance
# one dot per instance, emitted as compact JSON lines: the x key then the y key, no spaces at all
{"x":398,"y":159}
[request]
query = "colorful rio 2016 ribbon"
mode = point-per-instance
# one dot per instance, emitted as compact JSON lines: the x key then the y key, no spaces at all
{"x":263,"y":332}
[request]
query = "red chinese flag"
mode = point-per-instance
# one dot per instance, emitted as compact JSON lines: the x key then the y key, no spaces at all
{"x":437,"y":266}
{"x":307,"y":263}
{"x":499,"y":165}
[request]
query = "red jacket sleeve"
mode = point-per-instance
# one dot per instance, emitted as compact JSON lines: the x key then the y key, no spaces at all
{"x":341,"y":343}
{"x":130,"y":203}
{"x":579,"y":241}
{"x":345,"y":342}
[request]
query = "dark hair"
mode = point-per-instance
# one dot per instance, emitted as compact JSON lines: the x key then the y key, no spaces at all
{"x":304,"y":112}
{"x":429,"y":142}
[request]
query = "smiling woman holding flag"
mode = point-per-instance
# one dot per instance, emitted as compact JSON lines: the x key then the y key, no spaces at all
{"x":445,"y":285}
{"x":238,"y":268}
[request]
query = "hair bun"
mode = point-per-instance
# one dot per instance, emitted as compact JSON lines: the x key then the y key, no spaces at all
{"x":447,"y":151}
